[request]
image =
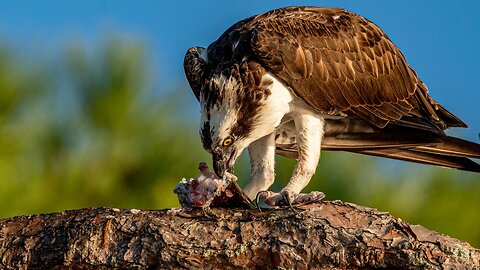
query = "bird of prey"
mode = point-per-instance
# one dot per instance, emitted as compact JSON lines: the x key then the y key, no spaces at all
{"x":296,"y":80}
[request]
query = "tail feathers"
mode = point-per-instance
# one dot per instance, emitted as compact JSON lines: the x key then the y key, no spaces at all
{"x":363,"y":141}
{"x":420,"y":147}
{"x":456,"y":162}
{"x":452,"y":146}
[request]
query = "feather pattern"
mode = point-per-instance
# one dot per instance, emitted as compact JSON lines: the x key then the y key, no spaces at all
{"x":339,"y":63}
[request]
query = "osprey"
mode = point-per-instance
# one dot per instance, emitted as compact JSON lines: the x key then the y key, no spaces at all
{"x":296,"y":80}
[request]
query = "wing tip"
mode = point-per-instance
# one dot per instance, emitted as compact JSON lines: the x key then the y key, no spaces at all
{"x":449,"y":118}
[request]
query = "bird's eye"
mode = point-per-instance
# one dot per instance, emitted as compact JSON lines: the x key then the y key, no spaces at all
{"x":227,"y":142}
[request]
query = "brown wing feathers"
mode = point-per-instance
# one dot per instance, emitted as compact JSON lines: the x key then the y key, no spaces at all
{"x":339,"y":62}
{"x":343,"y":65}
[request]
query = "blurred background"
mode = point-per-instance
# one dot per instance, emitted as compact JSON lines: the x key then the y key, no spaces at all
{"x":95,"y":109}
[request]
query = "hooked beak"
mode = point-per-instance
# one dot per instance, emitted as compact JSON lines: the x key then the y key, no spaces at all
{"x":223,"y":162}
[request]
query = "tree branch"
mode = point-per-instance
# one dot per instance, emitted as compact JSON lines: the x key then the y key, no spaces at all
{"x":326,"y":235}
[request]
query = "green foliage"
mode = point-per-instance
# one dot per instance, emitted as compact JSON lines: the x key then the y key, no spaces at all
{"x":90,"y":131}
{"x":94,"y":137}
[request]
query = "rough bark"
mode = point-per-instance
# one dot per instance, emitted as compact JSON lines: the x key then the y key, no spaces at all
{"x":328,"y":235}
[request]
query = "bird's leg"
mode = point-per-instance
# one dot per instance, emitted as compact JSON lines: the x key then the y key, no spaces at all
{"x":309,"y":132}
{"x":262,"y":162}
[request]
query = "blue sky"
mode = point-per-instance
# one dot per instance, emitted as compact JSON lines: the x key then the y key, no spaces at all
{"x":440,"y":39}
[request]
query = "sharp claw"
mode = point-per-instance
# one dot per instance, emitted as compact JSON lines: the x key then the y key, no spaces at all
{"x":286,"y":197}
{"x":257,"y":200}
{"x":260,"y":194}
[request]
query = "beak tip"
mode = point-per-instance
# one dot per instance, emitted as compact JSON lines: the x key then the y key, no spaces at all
{"x":222,"y":164}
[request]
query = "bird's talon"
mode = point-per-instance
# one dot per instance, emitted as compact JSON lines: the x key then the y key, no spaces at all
{"x":265,"y":194}
{"x":308,"y":198}
{"x":286,"y":198}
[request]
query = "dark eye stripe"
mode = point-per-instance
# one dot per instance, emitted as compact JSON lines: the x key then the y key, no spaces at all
{"x":205,"y":134}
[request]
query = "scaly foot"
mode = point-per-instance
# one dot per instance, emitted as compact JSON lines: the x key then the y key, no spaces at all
{"x":285,"y":198}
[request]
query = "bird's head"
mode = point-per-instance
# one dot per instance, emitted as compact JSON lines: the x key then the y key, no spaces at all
{"x":237,"y":106}
{"x":227,"y":127}
{"x":236,"y":112}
